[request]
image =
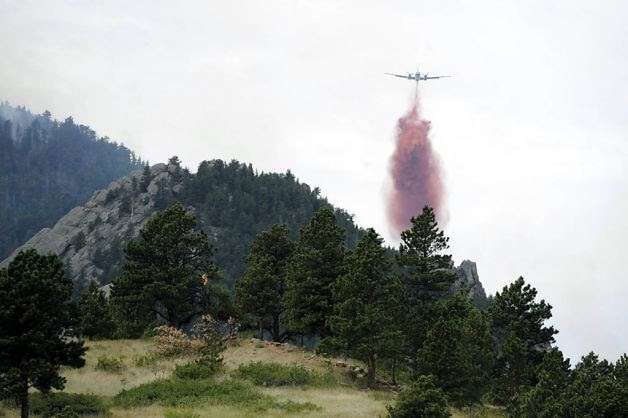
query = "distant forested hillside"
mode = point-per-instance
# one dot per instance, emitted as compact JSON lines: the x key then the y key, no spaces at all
{"x":48,"y":167}
{"x":234,"y":203}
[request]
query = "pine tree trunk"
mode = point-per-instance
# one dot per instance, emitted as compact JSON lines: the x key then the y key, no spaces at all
{"x":276,"y":336}
{"x":371,"y":371}
{"x":393,"y":371}
{"x":24,"y":410}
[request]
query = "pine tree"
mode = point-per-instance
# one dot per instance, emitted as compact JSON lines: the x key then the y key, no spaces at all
{"x":596,"y":389}
{"x":521,"y":337}
{"x":259,"y":293}
{"x":426,"y":270}
{"x":166,"y":271}
{"x":366,"y":297}
{"x":96,"y":320}
{"x":457,"y":350}
{"x":36,"y":327}
{"x":146,"y":179}
{"x":426,"y":273}
{"x":421,"y":399}
{"x":316,"y":265}
{"x":621,"y":370}
{"x":546,"y":399}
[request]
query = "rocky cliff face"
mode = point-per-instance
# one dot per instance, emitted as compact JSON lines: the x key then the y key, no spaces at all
{"x":90,"y":238}
{"x":469,"y":282}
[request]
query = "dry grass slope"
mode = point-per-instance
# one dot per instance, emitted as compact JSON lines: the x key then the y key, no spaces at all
{"x":139,"y":367}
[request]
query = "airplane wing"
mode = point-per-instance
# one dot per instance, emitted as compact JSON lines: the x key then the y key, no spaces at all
{"x":397,"y":75}
{"x":437,"y":76}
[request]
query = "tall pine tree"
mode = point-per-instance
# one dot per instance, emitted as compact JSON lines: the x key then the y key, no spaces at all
{"x":259,"y":293}
{"x":37,"y":324}
{"x":547,"y":397}
{"x":166,"y":272}
{"x":316,"y":265}
{"x":426,"y":273}
{"x":457,"y":350}
{"x":521,"y":337}
{"x":366,"y":298}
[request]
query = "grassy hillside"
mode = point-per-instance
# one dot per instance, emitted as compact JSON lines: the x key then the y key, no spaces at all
{"x":113,"y":366}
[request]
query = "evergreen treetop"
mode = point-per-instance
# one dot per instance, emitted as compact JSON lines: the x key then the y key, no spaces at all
{"x":427,"y":272}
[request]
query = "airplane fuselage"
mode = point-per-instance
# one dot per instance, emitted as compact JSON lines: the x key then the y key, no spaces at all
{"x":417,"y":76}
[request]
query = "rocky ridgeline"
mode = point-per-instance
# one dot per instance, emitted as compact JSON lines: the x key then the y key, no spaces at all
{"x":90,"y":238}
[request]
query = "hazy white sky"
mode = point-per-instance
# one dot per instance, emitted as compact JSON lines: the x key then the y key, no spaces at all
{"x":531,"y":131}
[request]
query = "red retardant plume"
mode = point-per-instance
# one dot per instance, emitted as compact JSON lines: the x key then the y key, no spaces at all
{"x":415,"y":172}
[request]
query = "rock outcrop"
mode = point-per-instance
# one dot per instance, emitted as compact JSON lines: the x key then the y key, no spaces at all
{"x":90,"y":238}
{"x":468,"y":281}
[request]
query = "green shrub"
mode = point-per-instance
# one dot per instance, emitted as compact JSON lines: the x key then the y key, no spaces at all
{"x":110,"y":364}
{"x":277,"y":374}
{"x":66,"y":405}
{"x":182,"y":393}
{"x":420,"y":399}
{"x":145,"y":360}
{"x":196,"y":370}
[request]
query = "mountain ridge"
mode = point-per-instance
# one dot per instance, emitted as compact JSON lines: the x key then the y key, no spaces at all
{"x":47,"y":167}
{"x":90,"y":238}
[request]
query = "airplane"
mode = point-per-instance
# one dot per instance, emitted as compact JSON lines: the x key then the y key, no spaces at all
{"x":418,"y":76}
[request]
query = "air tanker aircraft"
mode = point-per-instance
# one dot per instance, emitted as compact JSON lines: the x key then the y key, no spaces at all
{"x":417,"y":76}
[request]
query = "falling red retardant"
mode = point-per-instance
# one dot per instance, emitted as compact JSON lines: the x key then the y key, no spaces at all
{"x":415,"y":171}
